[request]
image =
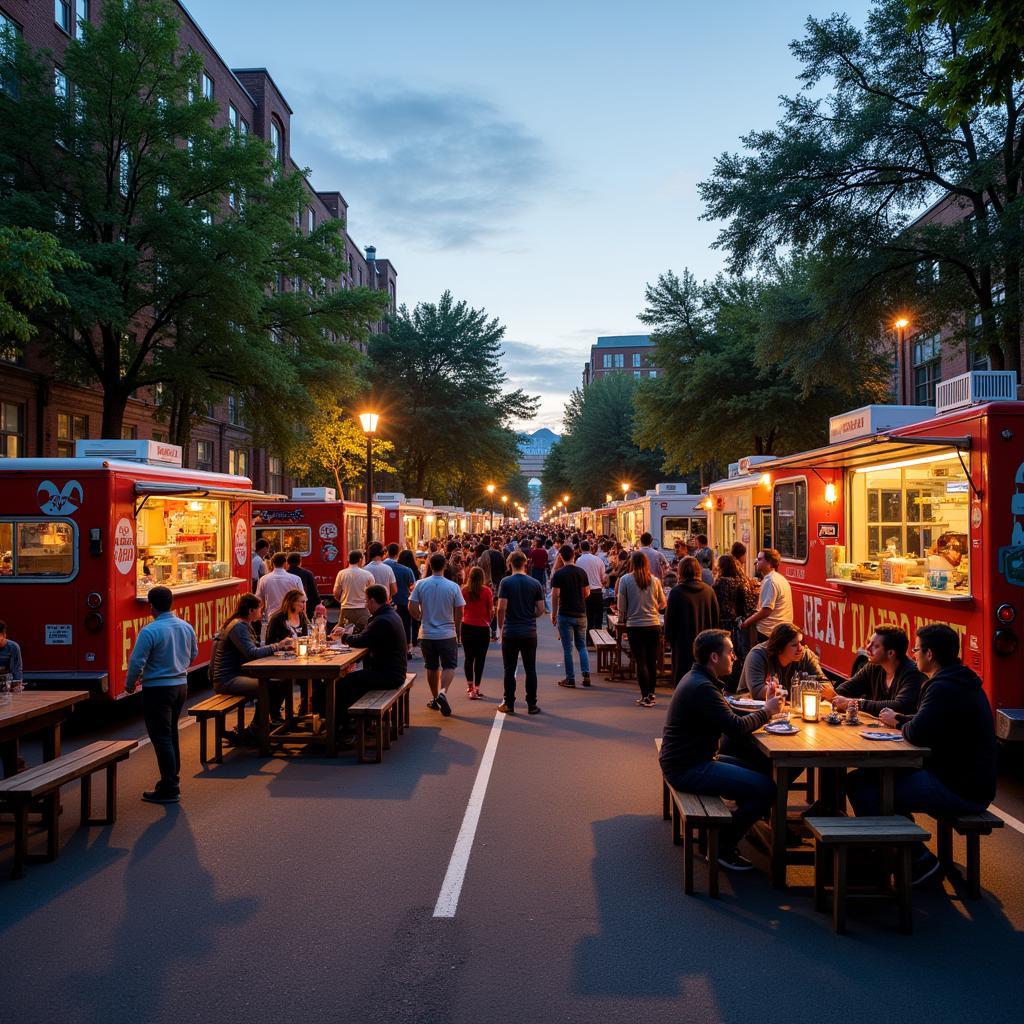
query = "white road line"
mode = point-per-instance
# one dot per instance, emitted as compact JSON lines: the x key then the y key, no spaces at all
{"x":1008,"y":818}
{"x":183,"y":724}
{"x":448,"y":898}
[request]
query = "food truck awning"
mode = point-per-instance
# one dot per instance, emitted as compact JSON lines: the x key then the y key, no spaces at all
{"x":163,"y":489}
{"x":876,"y":450}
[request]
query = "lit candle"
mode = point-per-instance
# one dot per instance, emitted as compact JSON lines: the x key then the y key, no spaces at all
{"x":809,"y":699}
{"x":303,"y":648}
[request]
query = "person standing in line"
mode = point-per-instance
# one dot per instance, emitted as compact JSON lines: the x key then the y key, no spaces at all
{"x":163,"y":651}
{"x":350,"y":591}
{"x":569,"y":592}
{"x":539,"y":561}
{"x":499,"y":570}
{"x":308,"y":580}
{"x":706,"y":560}
{"x":405,"y":580}
{"x":259,"y":562}
{"x":10,"y":659}
{"x":476,"y":628}
{"x":408,"y":559}
{"x":437,"y":603}
{"x":641,"y":600}
{"x":733,"y":607}
{"x":655,"y":559}
{"x":382,"y":573}
{"x":775,"y":604}
{"x":273,"y":587}
{"x":595,"y":570}
{"x":520,"y":604}
{"x":692,"y":608}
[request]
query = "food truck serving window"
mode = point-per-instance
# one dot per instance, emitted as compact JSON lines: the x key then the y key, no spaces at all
{"x":34,"y":549}
{"x":789,"y":519}
{"x":909,"y":525}
{"x":288,"y":539}
{"x":675,"y":528}
{"x":182,"y":542}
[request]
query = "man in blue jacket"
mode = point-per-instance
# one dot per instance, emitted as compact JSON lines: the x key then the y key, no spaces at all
{"x":164,"y":649}
{"x":954,"y":721}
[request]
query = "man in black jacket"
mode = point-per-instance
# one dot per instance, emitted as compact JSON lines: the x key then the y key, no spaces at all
{"x":954,"y":721}
{"x":698,"y":717}
{"x":385,"y":662}
{"x":889,"y":680}
{"x":308,"y":582}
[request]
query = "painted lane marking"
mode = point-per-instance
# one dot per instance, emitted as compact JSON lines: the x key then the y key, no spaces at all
{"x":448,"y":898}
{"x":1008,"y":818}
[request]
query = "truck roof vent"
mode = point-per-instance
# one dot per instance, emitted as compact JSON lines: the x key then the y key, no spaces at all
{"x":974,"y":388}
{"x":153,"y":453}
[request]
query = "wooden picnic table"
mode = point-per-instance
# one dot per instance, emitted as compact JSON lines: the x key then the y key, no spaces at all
{"x":327,"y":669}
{"x":34,"y":711}
{"x":832,"y":749}
{"x":618,"y":633}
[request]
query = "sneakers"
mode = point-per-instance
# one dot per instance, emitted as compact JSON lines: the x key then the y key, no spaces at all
{"x":533,"y":710}
{"x":432,"y":704}
{"x":647,"y":702}
{"x":569,"y":684}
{"x":473,"y":692}
{"x":924,"y":867}
{"x":734,"y":861}
{"x":494,"y":638}
{"x":586,"y":678}
{"x":161,"y":796}
{"x":442,"y":704}
{"x":505,"y":709}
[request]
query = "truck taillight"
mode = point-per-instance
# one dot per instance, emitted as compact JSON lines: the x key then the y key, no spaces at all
{"x":94,"y":622}
{"x":1005,"y":642}
{"x":94,"y":600}
{"x":1005,"y":614}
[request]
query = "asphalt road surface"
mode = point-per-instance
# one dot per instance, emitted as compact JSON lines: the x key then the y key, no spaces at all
{"x":305,"y":890}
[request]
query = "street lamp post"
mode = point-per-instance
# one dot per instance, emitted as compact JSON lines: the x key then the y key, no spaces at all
{"x":490,"y":492}
{"x":625,"y":490}
{"x":504,"y":508}
{"x":369,"y":420}
{"x":901,"y":326}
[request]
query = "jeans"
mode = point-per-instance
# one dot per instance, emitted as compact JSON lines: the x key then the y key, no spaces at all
{"x":403,"y":614}
{"x":595,"y":609}
{"x":161,"y":708}
{"x":643,"y":643}
{"x":754,"y":793}
{"x":475,"y":642}
{"x":573,"y":630}
{"x":511,"y":648}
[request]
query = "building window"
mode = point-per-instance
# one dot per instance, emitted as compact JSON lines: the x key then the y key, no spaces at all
{"x":70,"y":428}
{"x":204,"y":456}
{"x":238,"y":461}
{"x":637,"y":374}
{"x":124,"y":171}
{"x":81,"y":17}
{"x":243,"y":128}
{"x":275,"y":473}
{"x":129,"y":432}
{"x":8,"y":33}
{"x":12,"y":430}
{"x":207,"y":86}
{"x":606,"y":362}
{"x":62,"y":14}
{"x":275,"y":141}
{"x":927,"y":365}
{"x":620,"y":360}
{"x":652,"y":374}
{"x":789,"y":519}
{"x":61,"y":91}
{"x":311,"y":219}
{"x":234,"y":413}
{"x":233,"y":118}
{"x":636,"y":358}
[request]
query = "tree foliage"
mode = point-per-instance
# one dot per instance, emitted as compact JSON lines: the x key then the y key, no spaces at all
{"x":195,"y":273}
{"x":437,"y":378}
{"x":29,"y":260}
{"x":861,"y":152}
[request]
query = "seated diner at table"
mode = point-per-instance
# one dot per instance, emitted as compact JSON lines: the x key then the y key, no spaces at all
{"x":782,"y":656}
{"x":234,"y":645}
{"x":889,"y":679}
{"x":954,"y":721}
{"x":290,"y":619}
{"x":698,"y":717}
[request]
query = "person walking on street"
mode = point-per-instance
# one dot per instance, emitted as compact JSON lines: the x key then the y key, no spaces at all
{"x":476,"y":628}
{"x":405,"y":580}
{"x":520,"y":604}
{"x":775,"y":604}
{"x":570,"y":589}
{"x":655,"y":559}
{"x":382,"y":573}
{"x":163,"y":651}
{"x":350,"y":591}
{"x":692,"y":608}
{"x":641,"y":600}
{"x":437,"y":603}
{"x":499,"y":570}
{"x":594,"y":567}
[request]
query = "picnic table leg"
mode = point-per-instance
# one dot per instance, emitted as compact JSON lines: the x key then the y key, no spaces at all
{"x":20,"y":839}
{"x":86,"y":794}
{"x":839,"y":889}
{"x":9,"y":757}
{"x":903,"y":883}
{"x":779,"y":815}
{"x":51,"y":742}
{"x":263,"y":716}
{"x":332,"y":717}
{"x":712,"y":847}
{"x":52,"y":817}
{"x":888,"y":800}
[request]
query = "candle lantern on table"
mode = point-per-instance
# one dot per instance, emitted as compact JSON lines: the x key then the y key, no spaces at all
{"x":810,"y":700}
{"x":303,"y":648}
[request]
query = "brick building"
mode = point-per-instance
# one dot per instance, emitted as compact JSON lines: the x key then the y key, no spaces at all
{"x":41,"y":415}
{"x":620,"y":353}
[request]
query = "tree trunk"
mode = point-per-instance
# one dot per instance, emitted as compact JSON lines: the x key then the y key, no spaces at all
{"x":337,"y":484}
{"x":1010,"y":341}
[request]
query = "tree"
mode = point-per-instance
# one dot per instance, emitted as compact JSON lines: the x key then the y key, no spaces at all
{"x":597,"y":446}
{"x":554,"y":481}
{"x":187,"y":233}
{"x":438,"y":379}
{"x":728,"y":386}
{"x":29,"y":260}
{"x":857,"y":156}
{"x":334,"y":451}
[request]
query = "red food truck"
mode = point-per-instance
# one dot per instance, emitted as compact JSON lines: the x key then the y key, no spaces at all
{"x":910,"y":515}
{"x":83,"y":539}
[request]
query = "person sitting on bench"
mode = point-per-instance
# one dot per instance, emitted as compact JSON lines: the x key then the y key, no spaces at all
{"x":783,"y":655}
{"x":954,"y":721}
{"x":889,"y":679}
{"x":385,"y":662}
{"x":698,"y":716}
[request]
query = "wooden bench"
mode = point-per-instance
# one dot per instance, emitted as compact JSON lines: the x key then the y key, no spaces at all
{"x":605,"y":645}
{"x":839,"y":834}
{"x":695,"y":819}
{"x":44,"y":782}
{"x":389,"y":710}
{"x":217,"y":707}
{"x":972,"y":827}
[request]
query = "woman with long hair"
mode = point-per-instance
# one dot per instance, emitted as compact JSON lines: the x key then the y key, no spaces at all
{"x":641,"y":600}
{"x":290,"y":619}
{"x":692,"y":608}
{"x":476,"y":629}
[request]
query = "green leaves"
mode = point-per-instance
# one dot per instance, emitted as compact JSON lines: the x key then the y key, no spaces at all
{"x":29,"y":260}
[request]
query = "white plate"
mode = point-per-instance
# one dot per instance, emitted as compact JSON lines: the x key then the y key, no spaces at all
{"x":745,"y":702}
{"x":781,"y":730}
{"x":868,"y":735}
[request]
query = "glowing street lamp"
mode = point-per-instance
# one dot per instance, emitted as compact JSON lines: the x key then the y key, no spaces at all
{"x":504,"y":507}
{"x":490,"y":492}
{"x":625,"y":489}
{"x":368,"y":421}
{"x":901,"y":324}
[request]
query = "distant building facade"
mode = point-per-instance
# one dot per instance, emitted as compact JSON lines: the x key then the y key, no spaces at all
{"x":533,"y":450}
{"x":621,"y":353}
{"x":42,"y":415}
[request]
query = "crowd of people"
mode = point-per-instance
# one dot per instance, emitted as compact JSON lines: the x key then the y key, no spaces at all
{"x":726,"y":631}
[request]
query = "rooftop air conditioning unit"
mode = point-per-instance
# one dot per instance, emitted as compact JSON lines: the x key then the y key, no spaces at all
{"x":388,"y":496}
{"x":670,"y":489}
{"x":314,"y":494}
{"x":153,"y":453}
{"x":975,"y":388}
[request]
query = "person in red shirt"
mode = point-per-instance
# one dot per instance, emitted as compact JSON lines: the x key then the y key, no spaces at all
{"x":476,"y":628}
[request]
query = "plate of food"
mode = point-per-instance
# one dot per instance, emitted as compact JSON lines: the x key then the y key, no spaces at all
{"x":745,"y":702}
{"x":870,"y":734}
{"x":781,"y":729}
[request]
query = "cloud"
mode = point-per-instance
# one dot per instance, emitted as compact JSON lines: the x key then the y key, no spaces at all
{"x":439,"y":167}
{"x":543,"y":369}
